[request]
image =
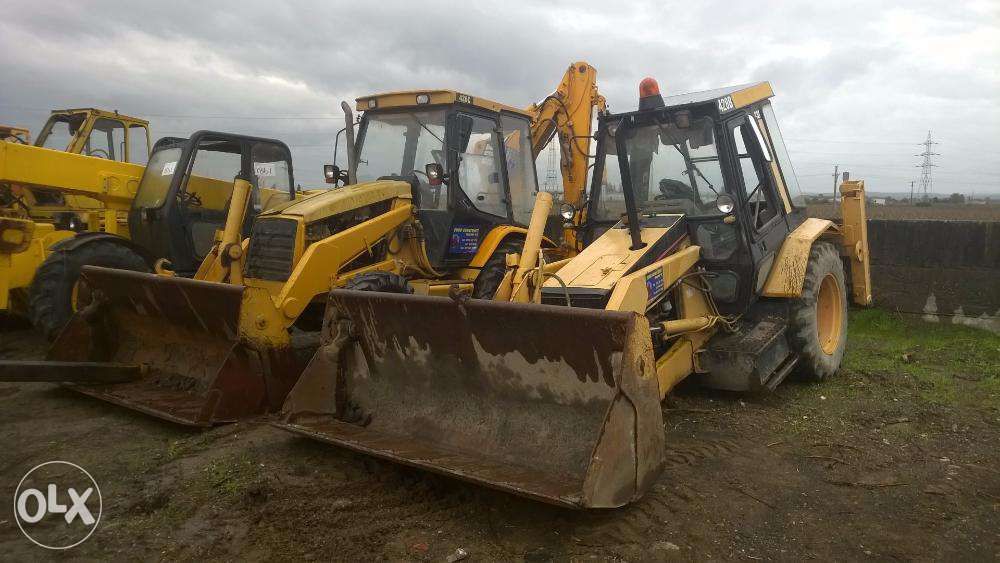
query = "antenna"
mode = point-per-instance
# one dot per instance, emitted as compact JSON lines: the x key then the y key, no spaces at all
{"x":926,"y":181}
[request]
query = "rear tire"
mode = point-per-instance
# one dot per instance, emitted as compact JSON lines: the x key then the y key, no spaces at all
{"x":818,"y":320}
{"x":384,"y":282}
{"x":54,"y":292}
{"x":488,"y":281}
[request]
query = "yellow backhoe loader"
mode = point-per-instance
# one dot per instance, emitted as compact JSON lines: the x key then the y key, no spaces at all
{"x":439,"y":191}
{"x":698,"y":261}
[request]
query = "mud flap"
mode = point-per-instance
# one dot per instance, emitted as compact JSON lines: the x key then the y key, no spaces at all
{"x":185,"y":335}
{"x":554,"y":403}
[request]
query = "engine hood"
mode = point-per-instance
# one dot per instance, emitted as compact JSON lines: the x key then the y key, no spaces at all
{"x":338,"y":200}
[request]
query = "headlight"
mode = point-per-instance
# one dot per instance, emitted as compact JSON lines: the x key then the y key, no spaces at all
{"x":567,"y":211}
{"x":725,"y":203}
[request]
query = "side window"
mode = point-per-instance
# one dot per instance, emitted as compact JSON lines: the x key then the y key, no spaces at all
{"x":520,"y":166}
{"x":208,"y":189}
{"x":138,"y":145}
{"x":759,"y":196}
{"x":272,"y":167}
{"x":60,"y":131}
{"x":107,"y":140}
{"x":781,"y":154}
{"x":479,"y":169}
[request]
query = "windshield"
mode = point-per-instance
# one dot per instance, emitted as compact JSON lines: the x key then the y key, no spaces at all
{"x":673,"y":170}
{"x":401,"y":143}
{"x":156,"y":178}
{"x":60,"y":130}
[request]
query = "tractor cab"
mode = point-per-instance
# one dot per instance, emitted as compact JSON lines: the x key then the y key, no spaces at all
{"x":710,"y":164}
{"x":184,"y":195}
{"x":468,"y":161}
{"x":95,"y":132}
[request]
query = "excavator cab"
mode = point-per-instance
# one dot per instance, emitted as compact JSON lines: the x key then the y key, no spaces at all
{"x":184,"y":195}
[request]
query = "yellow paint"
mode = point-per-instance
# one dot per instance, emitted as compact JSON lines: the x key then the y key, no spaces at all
{"x":854,"y":239}
{"x":829,"y":313}
{"x":752,"y":94}
{"x":408,"y":99}
{"x":788,"y":272}
{"x":328,"y":203}
{"x":568,"y":112}
{"x":606,"y":260}
{"x":630,"y":292}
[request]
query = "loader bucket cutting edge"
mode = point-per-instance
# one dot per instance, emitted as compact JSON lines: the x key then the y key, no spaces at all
{"x":183,"y":332}
{"x":554,"y":403}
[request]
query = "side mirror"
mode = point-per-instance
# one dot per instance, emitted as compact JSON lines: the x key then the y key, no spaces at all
{"x":333,"y":174}
{"x":435,"y":174}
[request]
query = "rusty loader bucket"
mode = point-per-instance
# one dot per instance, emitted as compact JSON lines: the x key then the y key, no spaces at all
{"x":169,"y":347}
{"x":558,"y":404}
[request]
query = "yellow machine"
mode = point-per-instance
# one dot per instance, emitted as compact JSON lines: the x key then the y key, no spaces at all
{"x":64,"y":200}
{"x":440,"y":190}
{"x":697,"y":260}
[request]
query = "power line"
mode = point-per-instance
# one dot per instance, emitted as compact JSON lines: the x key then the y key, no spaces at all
{"x":926,"y":181}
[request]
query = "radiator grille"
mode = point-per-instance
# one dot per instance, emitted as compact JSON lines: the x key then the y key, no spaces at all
{"x":272,"y":249}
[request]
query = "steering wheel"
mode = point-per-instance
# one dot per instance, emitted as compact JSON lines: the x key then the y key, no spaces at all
{"x":104,"y":154}
{"x":189,"y":198}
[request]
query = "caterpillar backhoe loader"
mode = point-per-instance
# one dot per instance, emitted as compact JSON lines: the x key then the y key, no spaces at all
{"x":439,"y":188}
{"x":698,"y":262}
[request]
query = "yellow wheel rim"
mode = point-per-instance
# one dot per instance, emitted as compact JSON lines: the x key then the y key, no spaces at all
{"x":80,"y":296}
{"x":829,"y":314}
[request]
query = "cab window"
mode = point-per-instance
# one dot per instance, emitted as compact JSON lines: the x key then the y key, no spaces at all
{"x":479,"y":168}
{"x":106,"y":140}
{"x":520,"y":166}
{"x":60,"y":130}
{"x":758,"y":192}
{"x":272,"y":171}
{"x":138,"y":145}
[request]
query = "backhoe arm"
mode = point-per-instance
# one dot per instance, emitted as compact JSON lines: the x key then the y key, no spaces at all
{"x":569,"y":112}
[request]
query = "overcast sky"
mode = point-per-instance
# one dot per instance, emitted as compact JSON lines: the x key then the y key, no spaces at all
{"x":857,"y":83}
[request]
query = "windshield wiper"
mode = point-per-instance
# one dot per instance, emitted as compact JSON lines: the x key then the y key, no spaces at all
{"x":687,"y":158}
{"x":425,"y":128}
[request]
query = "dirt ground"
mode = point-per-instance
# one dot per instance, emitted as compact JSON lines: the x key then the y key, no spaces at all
{"x":896,"y":458}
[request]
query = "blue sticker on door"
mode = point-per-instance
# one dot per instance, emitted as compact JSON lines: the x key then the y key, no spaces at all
{"x":464,"y":239}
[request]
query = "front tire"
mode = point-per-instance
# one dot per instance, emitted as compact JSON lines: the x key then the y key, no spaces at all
{"x":384,"y":282}
{"x":818,"y":320}
{"x":57,"y":292}
{"x":489,"y":278}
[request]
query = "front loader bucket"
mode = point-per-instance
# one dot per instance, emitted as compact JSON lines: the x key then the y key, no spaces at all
{"x":558,"y":404}
{"x":183,"y":335}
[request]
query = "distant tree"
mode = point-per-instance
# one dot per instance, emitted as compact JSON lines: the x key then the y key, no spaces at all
{"x":956,"y":198}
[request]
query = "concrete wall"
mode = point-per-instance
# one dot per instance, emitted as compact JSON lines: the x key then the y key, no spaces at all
{"x":948,"y":271}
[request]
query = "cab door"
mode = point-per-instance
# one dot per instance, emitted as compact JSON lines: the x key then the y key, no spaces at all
{"x":761,"y":210}
{"x":478,"y":198}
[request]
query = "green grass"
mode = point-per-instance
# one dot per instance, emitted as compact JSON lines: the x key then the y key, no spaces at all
{"x":947,"y":364}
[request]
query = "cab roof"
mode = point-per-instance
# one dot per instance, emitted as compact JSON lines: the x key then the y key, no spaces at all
{"x":100,"y":113}
{"x":408,"y":99}
{"x":741,"y":95}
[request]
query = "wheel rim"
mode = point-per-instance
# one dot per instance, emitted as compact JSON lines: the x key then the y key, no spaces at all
{"x":80,"y":296}
{"x":829,"y":314}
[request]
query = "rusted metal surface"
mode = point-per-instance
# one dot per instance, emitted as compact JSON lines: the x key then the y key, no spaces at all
{"x":186,"y":335}
{"x":77,"y":372}
{"x":553,"y":403}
